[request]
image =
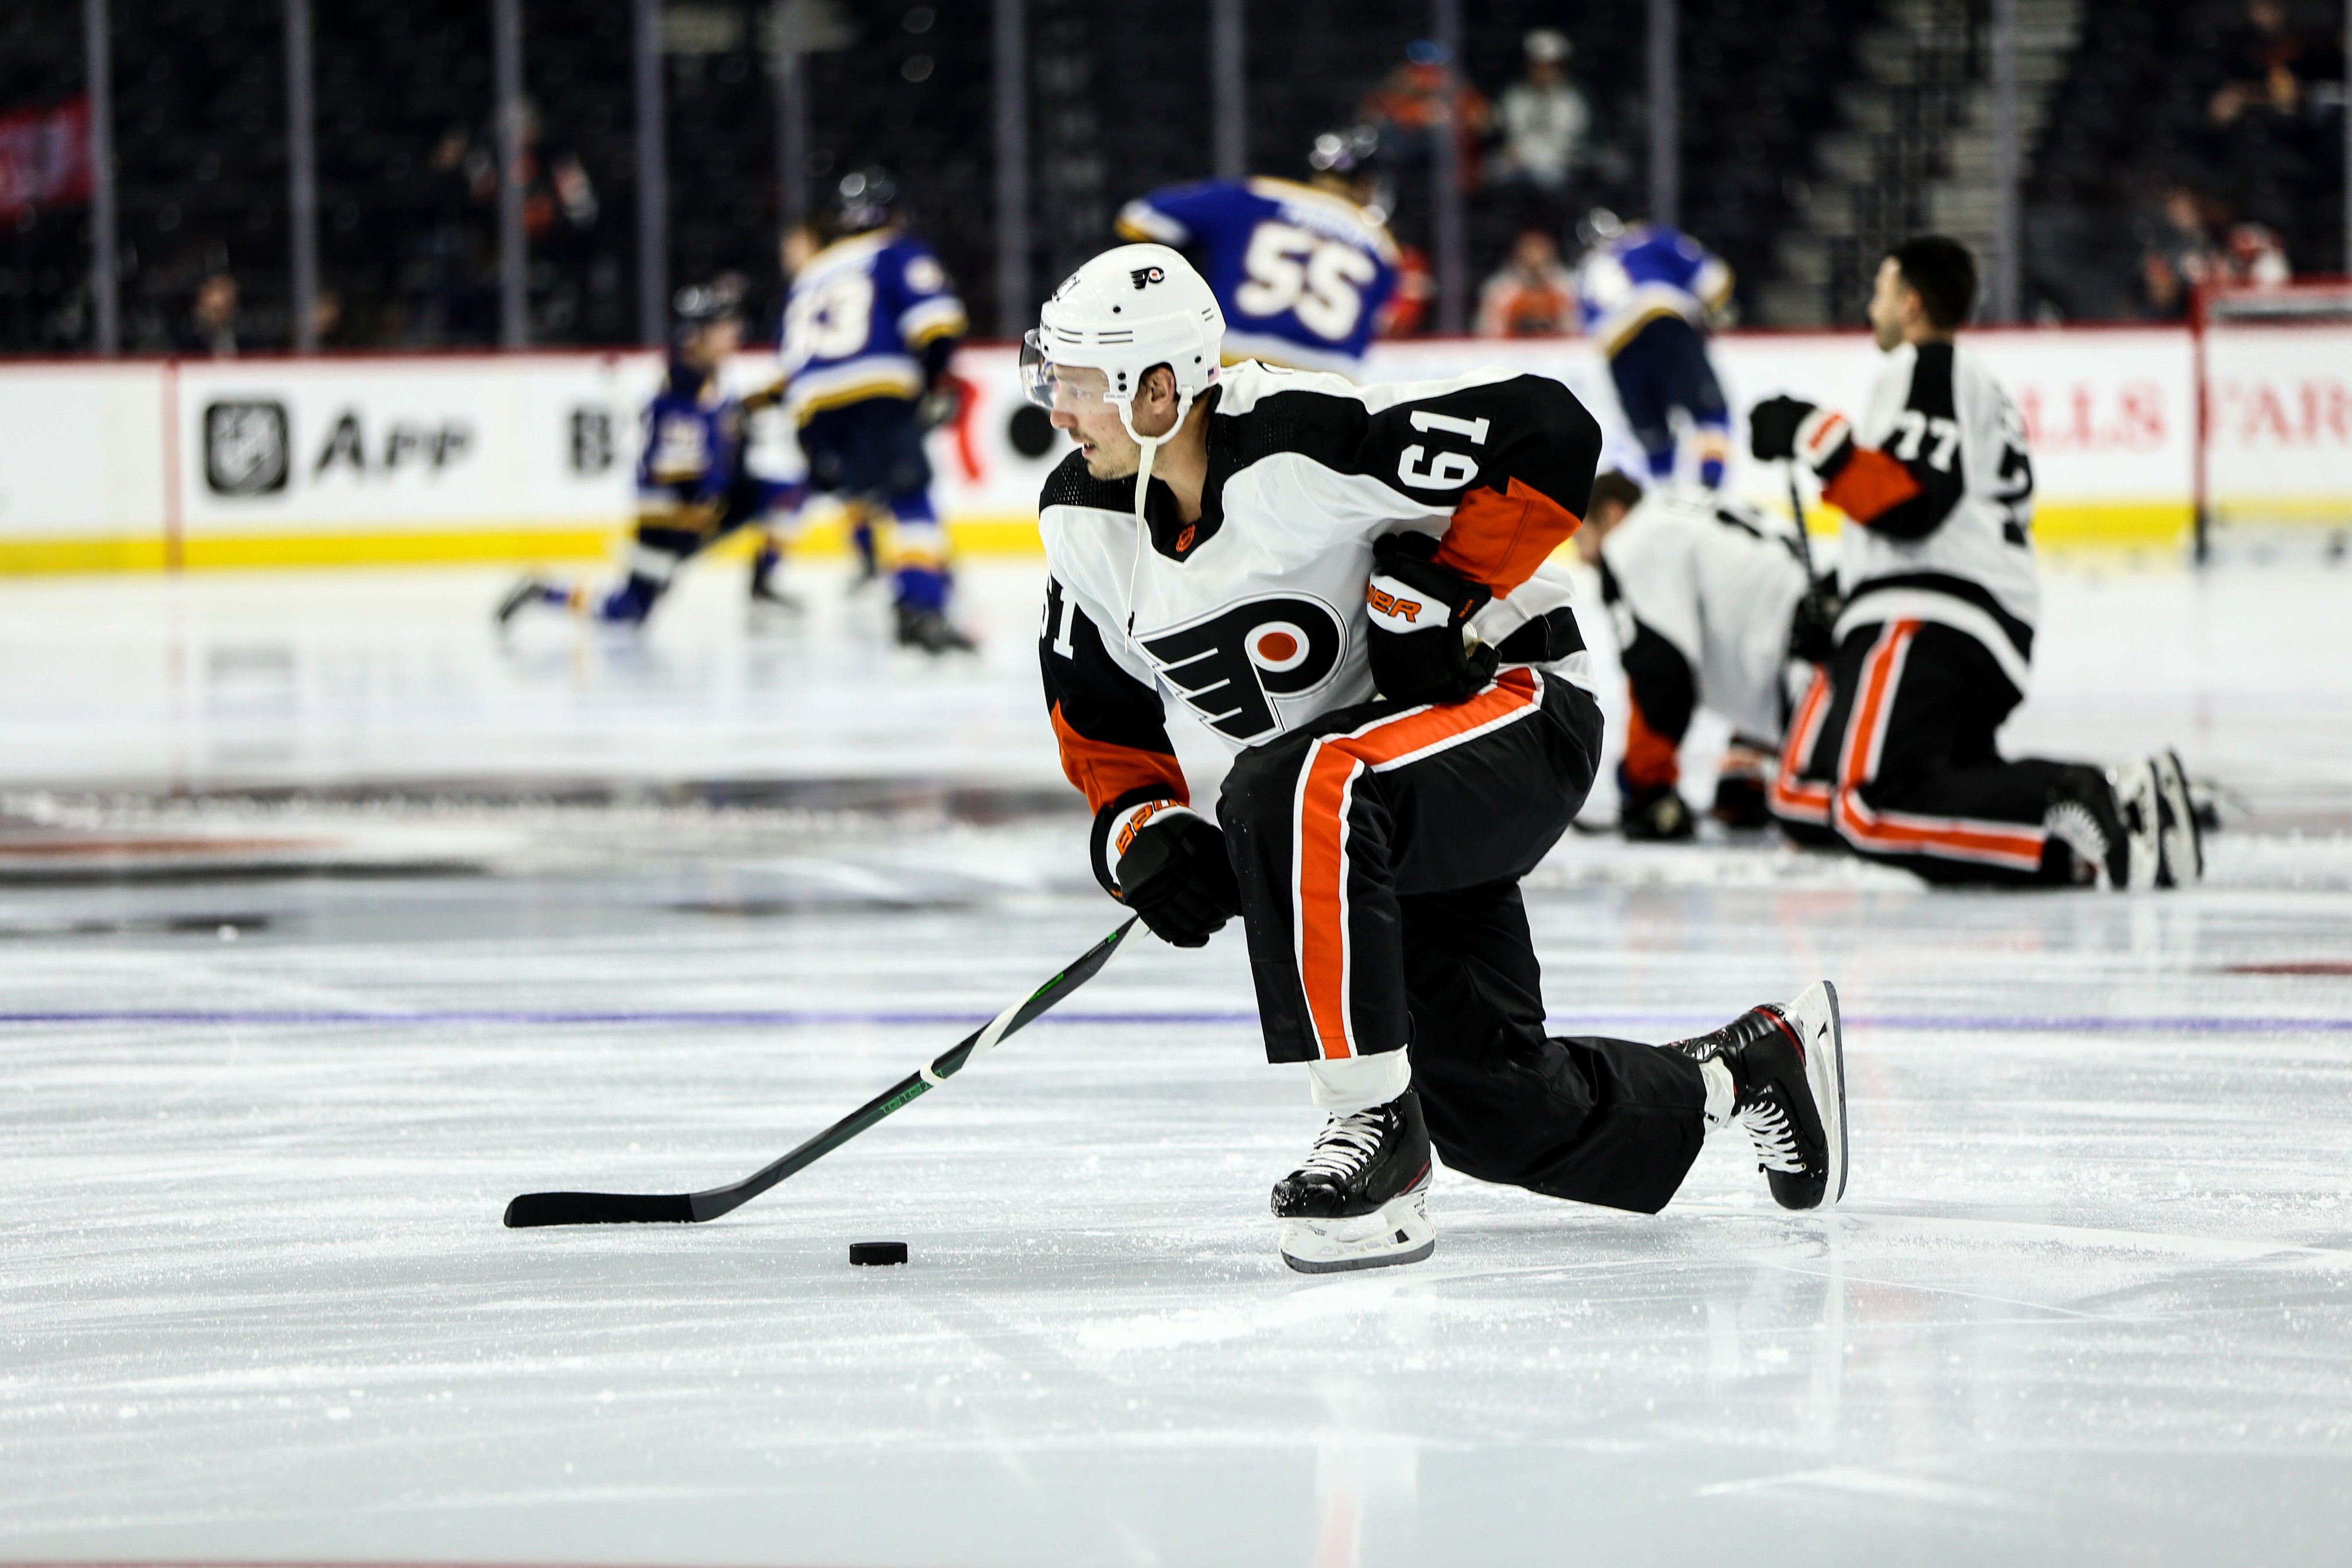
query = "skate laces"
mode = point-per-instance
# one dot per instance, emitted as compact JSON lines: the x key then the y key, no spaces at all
{"x":2072,"y":823}
{"x":1347,"y":1143}
{"x":1768,"y":1127}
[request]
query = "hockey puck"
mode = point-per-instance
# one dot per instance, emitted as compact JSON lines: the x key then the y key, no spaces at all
{"x":876,"y":1253}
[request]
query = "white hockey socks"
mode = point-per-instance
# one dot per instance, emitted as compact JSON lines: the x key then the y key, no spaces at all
{"x":1360,"y":1083}
{"x":1720,"y":1091}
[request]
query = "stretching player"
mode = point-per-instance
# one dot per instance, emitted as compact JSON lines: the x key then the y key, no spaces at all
{"x":693,"y":488}
{"x":1648,"y":295}
{"x":1301,"y":271}
{"x":870,"y":327}
{"x":1892,"y":752}
{"x":1345,"y":584}
{"x":1713,"y":610}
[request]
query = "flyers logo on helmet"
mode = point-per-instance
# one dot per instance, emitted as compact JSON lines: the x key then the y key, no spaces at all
{"x":1144,"y":275}
{"x":1231,"y":665}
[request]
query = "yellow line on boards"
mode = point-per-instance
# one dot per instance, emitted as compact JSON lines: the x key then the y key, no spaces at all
{"x":2058,"y":528}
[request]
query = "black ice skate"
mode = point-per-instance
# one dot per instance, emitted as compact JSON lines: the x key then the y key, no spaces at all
{"x":1361,"y":1200}
{"x":1787,"y":1063}
{"x":2108,"y":819}
{"x":529,"y":591}
{"x":932,"y":631}
{"x":2183,"y":836}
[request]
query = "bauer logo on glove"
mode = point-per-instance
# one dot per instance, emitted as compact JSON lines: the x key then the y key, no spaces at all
{"x":1172,"y":870}
{"x":1422,"y":650}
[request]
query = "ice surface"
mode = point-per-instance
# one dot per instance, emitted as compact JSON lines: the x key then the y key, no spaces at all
{"x":2090,"y":1300}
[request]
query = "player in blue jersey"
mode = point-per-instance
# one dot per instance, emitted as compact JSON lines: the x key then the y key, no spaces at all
{"x":693,"y":487}
{"x":1650,"y":294}
{"x":1301,"y":271}
{"x":870,"y":327}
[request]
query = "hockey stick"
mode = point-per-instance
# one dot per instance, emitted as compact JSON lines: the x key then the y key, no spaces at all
{"x":535,"y":1209}
{"x":1797,"y":510}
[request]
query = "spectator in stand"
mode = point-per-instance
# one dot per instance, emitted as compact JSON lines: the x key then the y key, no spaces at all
{"x":1547,"y":120}
{"x":2177,"y":256}
{"x":1532,"y":294}
{"x":2264,"y":62}
{"x":210,"y":329}
{"x":1407,"y":310}
{"x":2253,"y":256}
{"x":1410,"y":100}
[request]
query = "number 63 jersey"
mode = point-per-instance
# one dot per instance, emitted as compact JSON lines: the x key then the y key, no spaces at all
{"x":1301,"y":273}
{"x":1256,"y":614}
{"x":1937,"y":488}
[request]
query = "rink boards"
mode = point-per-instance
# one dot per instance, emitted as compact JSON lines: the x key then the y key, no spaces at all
{"x":148,"y":465}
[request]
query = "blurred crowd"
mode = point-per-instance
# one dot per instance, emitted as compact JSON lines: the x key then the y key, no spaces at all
{"x":2274,"y":96}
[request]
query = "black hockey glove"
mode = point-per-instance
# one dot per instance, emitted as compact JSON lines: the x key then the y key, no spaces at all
{"x":1742,"y":787}
{"x":1655,"y":814}
{"x":1812,"y":628}
{"x":1772,"y":427}
{"x":1740,"y":802}
{"x":1420,"y":651}
{"x":1173,"y":872}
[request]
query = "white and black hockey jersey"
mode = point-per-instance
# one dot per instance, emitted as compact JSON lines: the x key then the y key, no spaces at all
{"x":1702,"y":591}
{"x":1254,"y":615}
{"x":1938,"y":489}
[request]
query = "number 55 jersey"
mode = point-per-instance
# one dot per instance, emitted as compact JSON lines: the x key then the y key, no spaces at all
{"x":1256,"y":614}
{"x":1301,"y":273}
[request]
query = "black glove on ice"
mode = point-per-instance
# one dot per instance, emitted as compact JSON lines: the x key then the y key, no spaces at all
{"x":1772,"y":427}
{"x":1173,"y":872}
{"x":1418,"y":608}
{"x":1657,"y":814}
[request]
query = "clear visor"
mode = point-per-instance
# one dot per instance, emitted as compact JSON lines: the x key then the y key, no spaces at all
{"x":1050,"y":387}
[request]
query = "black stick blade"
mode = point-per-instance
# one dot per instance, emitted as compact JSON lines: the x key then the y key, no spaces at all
{"x":534,"y":1208}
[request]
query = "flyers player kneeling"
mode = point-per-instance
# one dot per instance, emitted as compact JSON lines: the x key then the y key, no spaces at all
{"x":1347,"y":586}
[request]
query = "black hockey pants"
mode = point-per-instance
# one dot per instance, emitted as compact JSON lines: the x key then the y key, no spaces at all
{"x":1891,"y":754}
{"x":1379,"y":855}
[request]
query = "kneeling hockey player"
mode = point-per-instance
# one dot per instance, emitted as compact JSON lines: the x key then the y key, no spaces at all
{"x":1713,"y":610}
{"x":1343,"y":583}
{"x":1892,"y":753}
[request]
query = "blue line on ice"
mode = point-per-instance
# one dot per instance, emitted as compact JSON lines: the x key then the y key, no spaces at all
{"x":806,"y":1019}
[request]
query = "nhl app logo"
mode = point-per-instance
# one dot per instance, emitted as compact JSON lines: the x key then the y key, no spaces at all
{"x":245,"y":447}
{"x":1147,"y":275}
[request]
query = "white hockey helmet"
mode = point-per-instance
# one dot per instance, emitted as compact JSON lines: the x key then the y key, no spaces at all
{"x":1129,"y":309}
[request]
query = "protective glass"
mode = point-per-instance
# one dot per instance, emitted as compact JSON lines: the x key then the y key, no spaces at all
{"x":1043,"y":385}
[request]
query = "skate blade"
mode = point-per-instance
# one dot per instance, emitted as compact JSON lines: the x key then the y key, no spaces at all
{"x":1825,"y":1076}
{"x":2182,"y":860}
{"x":2135,"y":800}
{"x":1397,"y":1232}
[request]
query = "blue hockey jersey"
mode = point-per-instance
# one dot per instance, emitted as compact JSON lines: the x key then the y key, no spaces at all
{"x":693,"y":444}
{"x":1624,"y":284}
{"x":870,"y":316}
{"x":1301,"y":273}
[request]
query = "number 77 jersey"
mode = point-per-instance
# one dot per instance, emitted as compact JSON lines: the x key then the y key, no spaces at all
{"x":1301,"y":273}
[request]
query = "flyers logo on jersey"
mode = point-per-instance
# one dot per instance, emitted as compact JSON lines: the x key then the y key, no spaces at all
{"x":1231,"y":665}
{"x":1144,"y":276}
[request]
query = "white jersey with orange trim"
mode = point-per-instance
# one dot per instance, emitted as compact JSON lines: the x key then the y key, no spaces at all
{"x":1256,"y":614}
{"x":1718,"y":583}
{"x":1937,"y":488}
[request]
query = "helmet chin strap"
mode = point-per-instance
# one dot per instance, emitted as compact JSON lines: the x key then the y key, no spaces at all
{"x":1149,"y":447}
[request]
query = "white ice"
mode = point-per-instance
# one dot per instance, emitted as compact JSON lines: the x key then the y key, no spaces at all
{"x":2090,"y":1300}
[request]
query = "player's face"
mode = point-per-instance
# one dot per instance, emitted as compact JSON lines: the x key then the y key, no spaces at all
{"x":1892,"y":304}
{"x":708,"y":349}
{"x":1082,"y":406}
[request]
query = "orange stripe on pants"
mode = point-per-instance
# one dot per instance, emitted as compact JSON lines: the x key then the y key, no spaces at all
{"x":1327,"y":787}
{"x":1895,"y":833}
{"x":1793,"y":794}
